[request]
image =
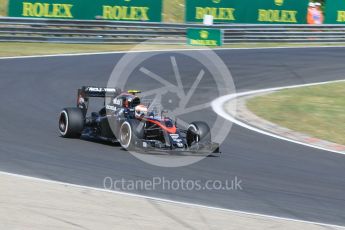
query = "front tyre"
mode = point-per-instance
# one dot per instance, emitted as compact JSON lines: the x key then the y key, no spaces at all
{"x":71,"y":122}
{"x":198,"y":132}
{"x":126,"y":136}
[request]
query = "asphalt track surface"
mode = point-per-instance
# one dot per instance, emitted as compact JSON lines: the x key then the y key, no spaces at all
{"x":279,"y":178}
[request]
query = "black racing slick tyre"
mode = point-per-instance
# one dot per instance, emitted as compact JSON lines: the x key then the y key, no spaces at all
{"x":71,"y":122}
{"x":130,"y":132}
{"x":198,"y":132}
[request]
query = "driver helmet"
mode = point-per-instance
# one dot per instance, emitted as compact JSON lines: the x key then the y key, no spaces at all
{"x":140,"y":111}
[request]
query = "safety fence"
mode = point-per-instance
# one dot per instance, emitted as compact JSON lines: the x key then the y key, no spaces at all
{"x":109,"y":32}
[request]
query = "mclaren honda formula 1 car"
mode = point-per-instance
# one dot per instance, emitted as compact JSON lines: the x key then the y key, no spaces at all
{"x":126,"y":120}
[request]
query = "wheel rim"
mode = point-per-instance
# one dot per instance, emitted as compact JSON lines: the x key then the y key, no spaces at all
{"x":63,"y":123}
{"x":125,"y":136}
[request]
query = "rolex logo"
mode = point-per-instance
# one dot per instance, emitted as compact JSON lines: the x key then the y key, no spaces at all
{"x":279,"y":2}
{"x":204,"y":34}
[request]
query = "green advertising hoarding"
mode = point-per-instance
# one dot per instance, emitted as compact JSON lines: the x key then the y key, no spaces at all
{"x":204,"y":37}
{"x":120,"y":10}
{"x":248,"y":11}
{"x":335,"y":12}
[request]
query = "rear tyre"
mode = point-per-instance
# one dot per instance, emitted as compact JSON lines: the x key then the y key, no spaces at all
{"x":71,"y":122}
{"x":198,"y":132}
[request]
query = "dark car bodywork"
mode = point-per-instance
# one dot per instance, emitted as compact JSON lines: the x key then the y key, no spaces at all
{"x":155,"y":133}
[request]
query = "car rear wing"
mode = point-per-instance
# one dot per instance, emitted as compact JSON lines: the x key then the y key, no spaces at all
{"x":90,"y":91}
{"x":86,"y":92}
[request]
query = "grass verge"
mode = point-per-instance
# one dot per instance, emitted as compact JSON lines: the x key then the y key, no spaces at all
{"x":173,"y":11}
{"x":318,"y":110}
{"x":8,"y":49}
{"x":3,"y":7}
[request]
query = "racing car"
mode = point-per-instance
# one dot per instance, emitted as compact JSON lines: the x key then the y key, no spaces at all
{"x":126,"y":120}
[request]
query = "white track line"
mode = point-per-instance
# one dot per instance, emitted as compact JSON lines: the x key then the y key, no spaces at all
{"x":161,"y":50}
{"x":218,"y":107}
{"x":169,"y":201}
